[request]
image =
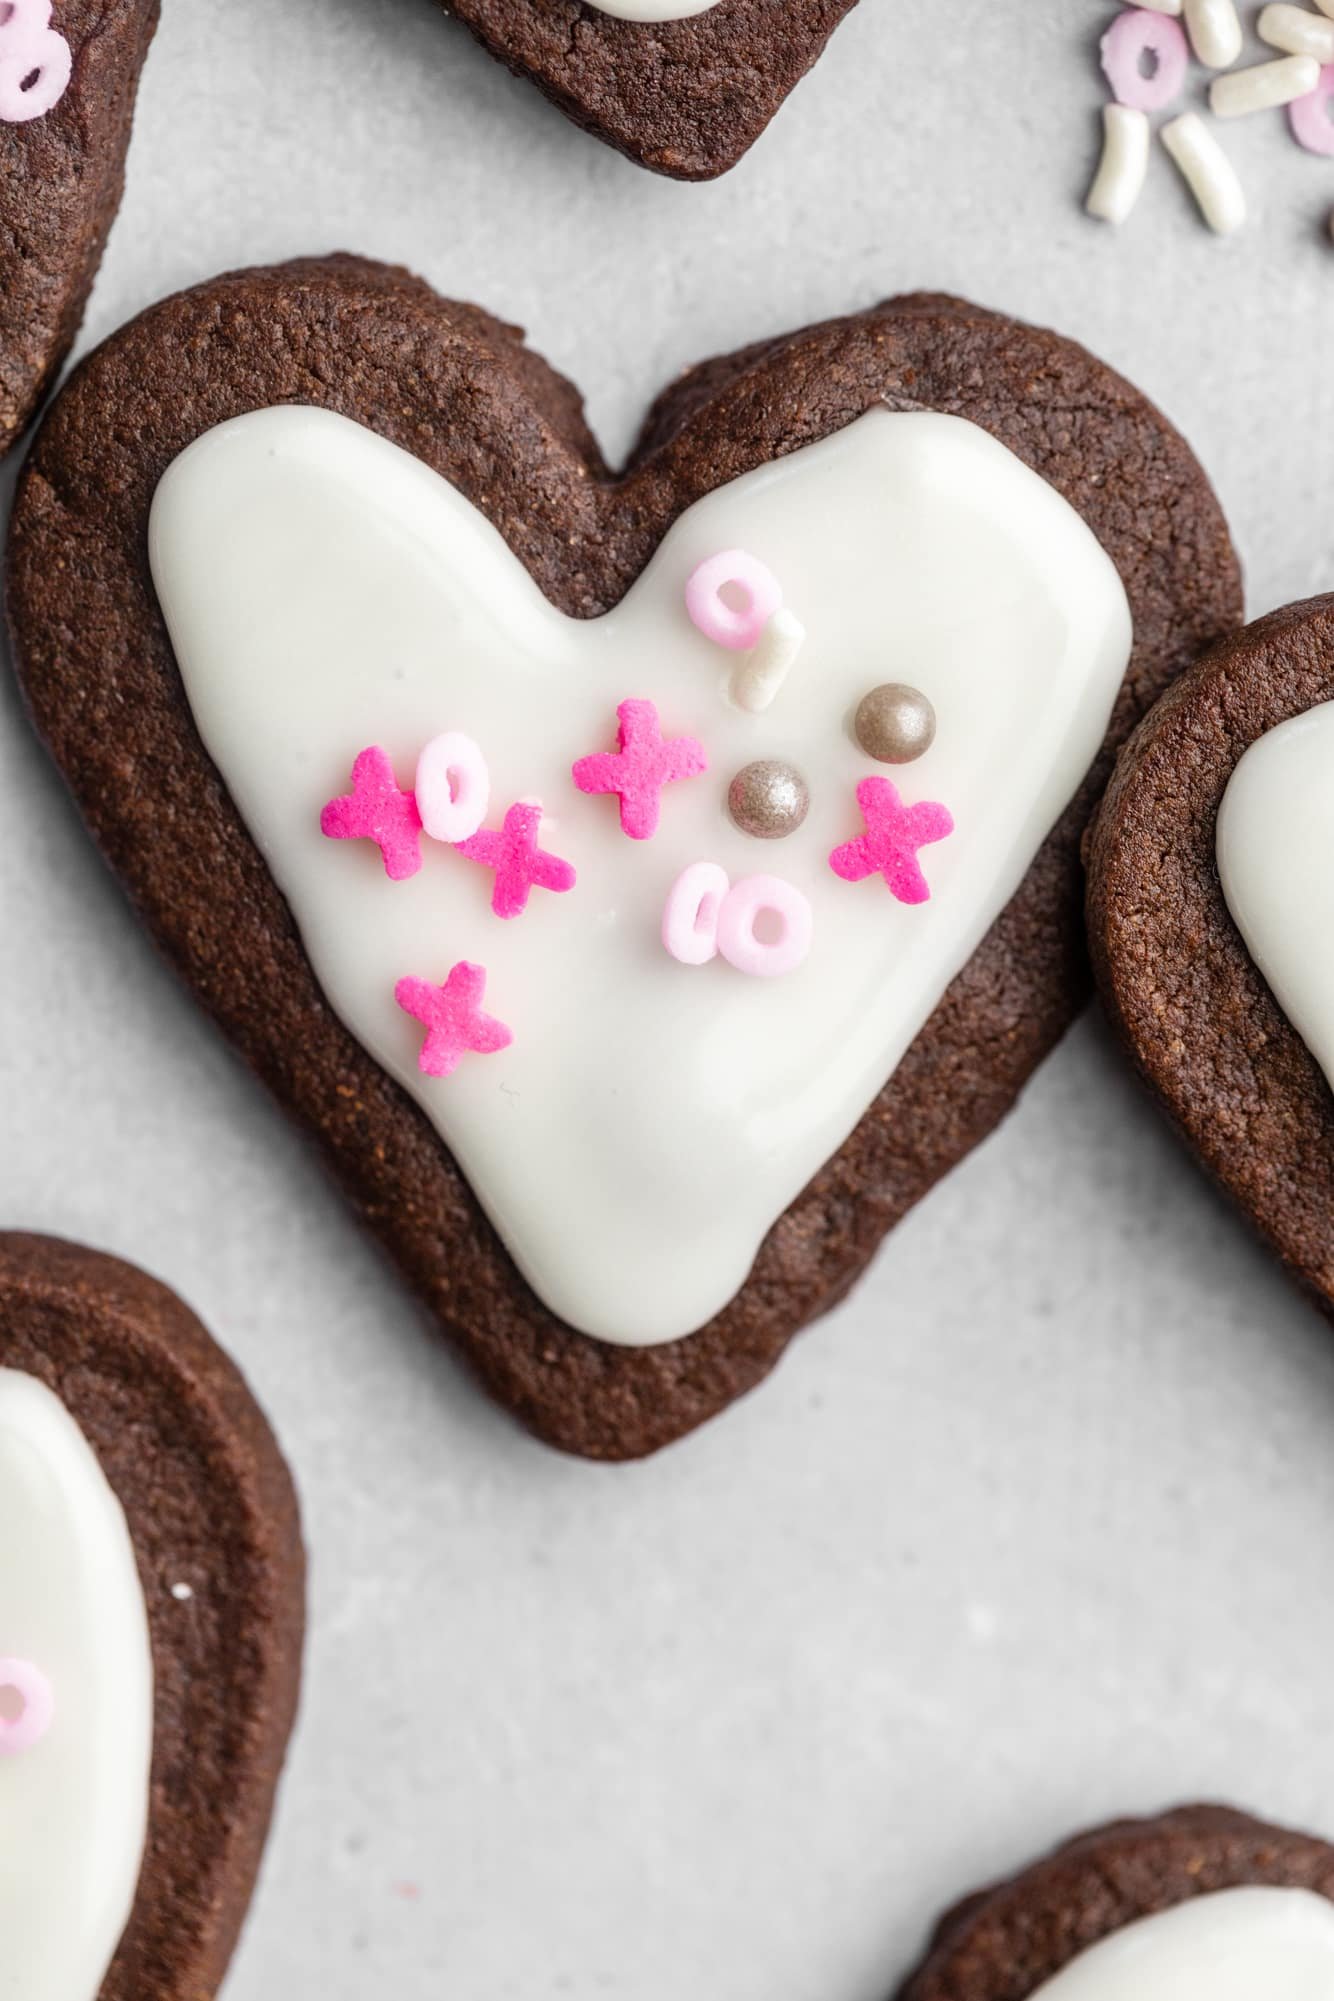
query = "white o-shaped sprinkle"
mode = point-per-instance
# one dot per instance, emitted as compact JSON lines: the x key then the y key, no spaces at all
{"x":1125,"y":162}
{"x":745,"y":905}
{"x":1207,"y":172}
{"x":1214,"y":27}
{"x":1263,"y":86}
{"x":453,"y":787}
{"x":1298,"y":31}
{"x":690,"y":917}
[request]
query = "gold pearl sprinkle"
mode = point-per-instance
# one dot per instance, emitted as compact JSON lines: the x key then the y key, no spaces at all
{"x":768,"y":799}
{"x":895,"y":723}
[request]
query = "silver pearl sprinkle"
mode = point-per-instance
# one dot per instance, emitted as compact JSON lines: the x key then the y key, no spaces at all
{"x":895,"y":723}
{"x":768,"y":799}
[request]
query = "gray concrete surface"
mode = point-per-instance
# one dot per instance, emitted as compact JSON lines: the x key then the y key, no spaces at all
{"x":1039,"y":1526}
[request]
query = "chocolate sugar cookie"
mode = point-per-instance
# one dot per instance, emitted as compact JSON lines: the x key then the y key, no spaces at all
{"x":643,"y":887}
{"x":68,"y":78}
{"x":1204,"y":1904}
{"x":1210,"y":914}
{"x":682,"y":86}
{"x":151,"y":1593}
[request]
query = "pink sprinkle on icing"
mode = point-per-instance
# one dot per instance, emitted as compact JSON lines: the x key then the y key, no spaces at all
{"x":453,"y":787}
{"x":37,"y":1706}
{"x":737,"y":627}
{"x":706,"y":914}
{"x":690,"y":916}
{"x":378,"y":810}
{"x":1310,"y":119}
{"x":894,"y":832}
{"x":1134,"y":35}
{"x":738,"y":921}
{"x":36,"y":64}
{"x":519,"y":863}
{"x":638,"y":769}
{"x":453,"y":1019}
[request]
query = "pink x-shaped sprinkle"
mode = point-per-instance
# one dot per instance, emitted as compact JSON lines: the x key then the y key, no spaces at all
{"x":378,"y":810}
{"x":894,"y":832}
{"x":644,"y":762}
{"x":453,"y":1019}
{"x":519,"y":863}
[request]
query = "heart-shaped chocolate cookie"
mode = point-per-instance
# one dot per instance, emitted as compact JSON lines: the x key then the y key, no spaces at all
{"x":682,"y":86}
{"x":151,"y":1611}
{"x":1203,"y":1904}
{"x":68,"y":78}
{"x":533,"y":832}
{"x":1210,"y":915}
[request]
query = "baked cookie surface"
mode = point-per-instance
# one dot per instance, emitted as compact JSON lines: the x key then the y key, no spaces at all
{"x":68,"y":79}
{"x":377,"y":361}
{"x":151,"y":1622}
{"x":685,"y":95}
{"x":1202,"y":1902}
{"x":1208,"y":1013}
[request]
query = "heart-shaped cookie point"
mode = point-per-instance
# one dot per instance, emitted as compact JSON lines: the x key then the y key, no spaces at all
{"x":323,"y":588}
{"x":1210,"y":916}
{"x":684,"y":87}
{"x":689,"y":1124}
{"x":1201,"y":1904}
{"x":68,"y":79}
{"x":150,"y":1628}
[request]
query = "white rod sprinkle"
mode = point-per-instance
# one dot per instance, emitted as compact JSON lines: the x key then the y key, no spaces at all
{"x":1299,"y":31}
{"x":1124,"y":164}
{"x":1207,"y":172}
{"x":759,"y":674}
{"x":1214,"y":27}
{"x":1263,"y":86}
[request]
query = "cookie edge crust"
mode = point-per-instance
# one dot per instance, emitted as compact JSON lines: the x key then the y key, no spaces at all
{"x":79,"y":272}
{"x":1003,"y":1942}
{"x":687,"y":98}
{"x":1185,"y":999}
{"x":68,"y":1316}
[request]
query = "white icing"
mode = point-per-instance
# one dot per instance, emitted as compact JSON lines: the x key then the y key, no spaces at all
{"x":1252,"y":1944}
{"x":325,"y":592}
{"x":654,"y":10}
{"x":1274,"y":841}
{"x":74,"y":1807}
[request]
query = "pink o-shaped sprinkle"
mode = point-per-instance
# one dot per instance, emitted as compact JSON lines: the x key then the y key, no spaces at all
{"x":745,"y":904}
{"x":21,"y":1732}
{"x":453,"y":787}
{"x":1132,"y":36}
{"x":30,"y":48}
{"x":738,"y":628}
{"x":1309,"y":117}
{"x":690,"y":916}
{"x":22,"y":22}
